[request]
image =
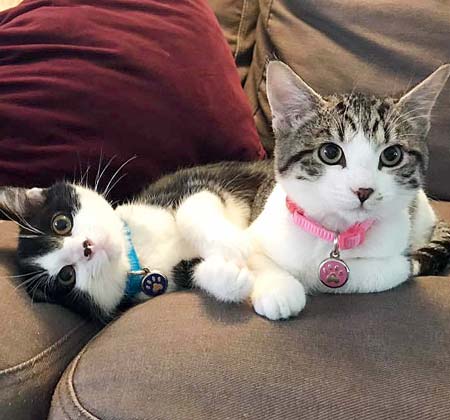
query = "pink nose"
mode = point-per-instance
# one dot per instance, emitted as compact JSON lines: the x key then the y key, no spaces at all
{"x":364,"y":193}
{"x":87,"y":245}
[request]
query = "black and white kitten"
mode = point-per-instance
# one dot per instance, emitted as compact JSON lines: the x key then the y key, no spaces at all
{"x":73,"y":247}
{"x":339,"y":161}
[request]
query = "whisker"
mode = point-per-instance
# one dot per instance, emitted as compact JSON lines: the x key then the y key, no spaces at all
{"x":85,"y":176}
{"x":22,"y":275}
{"x":113,"y":185}
{"x":118,"y":170}
{"x":28,"y":281}
{"x":33,"y":291}
{"x":103,"y":171}
{"x":98,"y":168}
{"x":31,"y":229}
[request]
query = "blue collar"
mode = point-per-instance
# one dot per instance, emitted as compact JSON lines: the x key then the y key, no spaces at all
{"x":141,"y":279}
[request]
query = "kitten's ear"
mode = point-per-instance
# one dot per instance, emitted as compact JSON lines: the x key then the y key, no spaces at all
{"x":419,"y":101}
{"x":15,"y":203}
{"x":291,"y":100}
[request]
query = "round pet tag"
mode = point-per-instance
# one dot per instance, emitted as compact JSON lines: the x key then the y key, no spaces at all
{"x":333,"y":272}
{"x":154,"y":284}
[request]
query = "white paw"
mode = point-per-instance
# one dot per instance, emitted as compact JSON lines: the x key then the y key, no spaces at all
{"x":230,"y":243}
{"x":225,"y":280}
{"x":278,"y":296}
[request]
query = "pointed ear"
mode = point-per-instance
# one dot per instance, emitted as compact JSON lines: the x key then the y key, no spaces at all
{"x":291,"y":100}
{"x":418,"y":103}
{"x":16,"y":203}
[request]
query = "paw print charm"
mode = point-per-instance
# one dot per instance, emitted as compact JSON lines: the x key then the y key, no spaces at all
{"x":333,"y":272}
{"x":154,"y":284}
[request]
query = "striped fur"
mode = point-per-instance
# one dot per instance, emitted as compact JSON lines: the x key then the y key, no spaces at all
{"x":433,"y":258}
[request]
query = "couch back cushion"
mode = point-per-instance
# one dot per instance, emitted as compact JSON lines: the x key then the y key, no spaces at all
{"x":373,"y":46}
{"x":238,"y":20}
{"x":90,"y":80}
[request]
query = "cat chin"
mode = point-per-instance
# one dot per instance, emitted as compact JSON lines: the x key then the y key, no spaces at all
{"x":106,"y":288}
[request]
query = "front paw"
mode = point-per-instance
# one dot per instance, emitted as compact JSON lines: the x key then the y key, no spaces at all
{"x":225,"y":280}
{"x":278,"y":296}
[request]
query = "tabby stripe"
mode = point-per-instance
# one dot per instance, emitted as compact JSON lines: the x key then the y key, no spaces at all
{"x":183,"y":273}
{"x":419,"y":158}
{"x":434,"y":257}
{"x":375,"y":127}
{"x":294,"y":159}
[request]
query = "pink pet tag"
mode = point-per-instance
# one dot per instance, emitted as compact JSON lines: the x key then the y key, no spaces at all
{"x":333,"y":272}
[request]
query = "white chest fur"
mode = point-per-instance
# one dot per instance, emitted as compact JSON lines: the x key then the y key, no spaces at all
{"x":300,"y":253}
{"x":156,"y":237}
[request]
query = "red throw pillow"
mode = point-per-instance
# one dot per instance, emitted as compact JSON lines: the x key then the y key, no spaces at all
{"x":87,"y":80}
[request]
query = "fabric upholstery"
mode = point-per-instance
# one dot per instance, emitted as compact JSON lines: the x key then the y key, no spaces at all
{"x":37,"y":341}
{"x":184,"y":356}
{"x":373,"y":46}
{"x":238,"y":20}
{"x":85,"y":79}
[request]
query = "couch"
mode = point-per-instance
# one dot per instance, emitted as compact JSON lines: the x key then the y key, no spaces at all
{"x":184,"y":355}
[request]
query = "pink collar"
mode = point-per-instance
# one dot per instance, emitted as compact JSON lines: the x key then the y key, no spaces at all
{"x":351,"y":238}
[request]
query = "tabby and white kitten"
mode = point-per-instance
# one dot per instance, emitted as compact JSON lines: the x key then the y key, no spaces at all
{"x":73,"y":247}
{"x":345,"y":159}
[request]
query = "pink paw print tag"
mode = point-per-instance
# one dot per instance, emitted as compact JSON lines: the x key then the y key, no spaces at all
{"x":333,"y":272}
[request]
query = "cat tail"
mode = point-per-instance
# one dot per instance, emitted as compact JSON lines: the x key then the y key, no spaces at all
{"x":433,"y":258}
{"x":183,"y":273}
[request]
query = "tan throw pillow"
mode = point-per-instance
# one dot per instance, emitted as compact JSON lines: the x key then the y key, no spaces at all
{"x":373,"y":46}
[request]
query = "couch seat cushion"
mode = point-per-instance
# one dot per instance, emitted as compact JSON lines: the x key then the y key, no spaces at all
{"x":37,"y":341}
{"x":184,"y":356}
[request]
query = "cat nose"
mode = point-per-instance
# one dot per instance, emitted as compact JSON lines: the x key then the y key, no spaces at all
{"x":87,"y":245}
{"x":364,"y":193}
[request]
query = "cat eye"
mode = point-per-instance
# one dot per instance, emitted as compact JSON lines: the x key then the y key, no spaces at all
{"x":62,"y":224}
{"x":331,"y":154}
{"x":391,"y":156}
{"x":67,"y":276}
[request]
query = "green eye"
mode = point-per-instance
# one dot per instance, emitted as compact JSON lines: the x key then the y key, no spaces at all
{"x":391,"y":156}
{"x":331,"y":154}
{"x":62,"y":224}
{"x":67,"y":276}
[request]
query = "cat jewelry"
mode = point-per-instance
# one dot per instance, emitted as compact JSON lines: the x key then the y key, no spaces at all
{"x":142,"y":280}
{"x":152,"y":283}
{"x":333,"y":272}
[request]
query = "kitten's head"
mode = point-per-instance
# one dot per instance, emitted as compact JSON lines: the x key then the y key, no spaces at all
{"x":346,"y":158}
{"x":71,"y":249}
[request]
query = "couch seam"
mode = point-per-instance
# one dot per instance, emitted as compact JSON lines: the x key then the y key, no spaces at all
{"x":240,"y":28}
{"x":33,"y":375}
{"x":42,"y":354}
{"x":261,"y":76}
{"x":73,"y":394}
{"x":86,"y":415}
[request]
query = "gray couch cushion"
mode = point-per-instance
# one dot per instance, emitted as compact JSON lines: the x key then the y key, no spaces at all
{"x":238,"y":21}
{"x":37,"y":341}
{"x":184,"y":356}
{"x":373,"y":46}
